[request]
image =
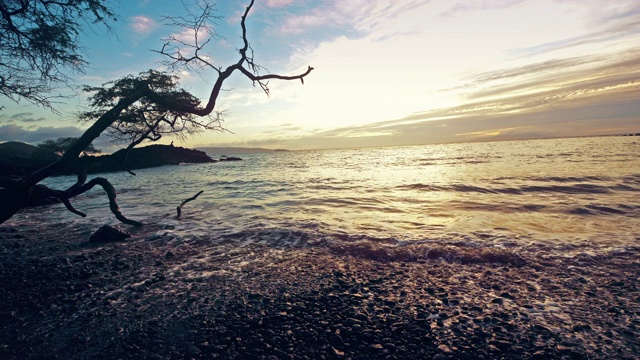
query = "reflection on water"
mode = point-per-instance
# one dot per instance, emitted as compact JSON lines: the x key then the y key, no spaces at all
{"x":583,"y":190}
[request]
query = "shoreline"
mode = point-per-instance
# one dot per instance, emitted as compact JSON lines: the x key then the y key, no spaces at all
{"x":156,"y":298}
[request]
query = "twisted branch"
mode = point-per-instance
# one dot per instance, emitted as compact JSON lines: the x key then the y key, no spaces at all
{"x":179,"y":208}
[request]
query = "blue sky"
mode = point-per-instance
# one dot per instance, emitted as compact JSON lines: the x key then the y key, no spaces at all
{"x":386,"y":72}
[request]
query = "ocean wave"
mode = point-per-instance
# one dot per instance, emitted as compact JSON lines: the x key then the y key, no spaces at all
{"x":423,"y":252}
{"x":531,"y":194}
{"x":600,"y":210}
{"x":570,"y":178}
{"x":524,"y":189}
{"x":478,"y":248}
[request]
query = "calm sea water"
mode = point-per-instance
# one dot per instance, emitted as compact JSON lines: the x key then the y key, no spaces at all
{"x":568,"y":196}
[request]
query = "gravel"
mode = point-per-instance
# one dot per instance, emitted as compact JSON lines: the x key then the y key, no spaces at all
{"x":152,"y":297}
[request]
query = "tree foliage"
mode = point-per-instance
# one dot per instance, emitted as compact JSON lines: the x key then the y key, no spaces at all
{"x":147,"y":119}
{"x":40,"y":46}
{"x":60,"y":146}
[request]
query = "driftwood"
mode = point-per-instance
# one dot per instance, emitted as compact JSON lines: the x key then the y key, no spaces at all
{"x":14,"y":196}
{"x":179,"y":208}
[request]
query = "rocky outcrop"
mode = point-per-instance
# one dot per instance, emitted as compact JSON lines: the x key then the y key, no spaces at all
{"x":140,"y":158}
{"x":230,"y":158}
{"x":108,"y":233}
{"x":19,"y":159}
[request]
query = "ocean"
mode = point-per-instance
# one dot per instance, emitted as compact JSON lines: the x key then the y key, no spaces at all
{"x":571,"y":197}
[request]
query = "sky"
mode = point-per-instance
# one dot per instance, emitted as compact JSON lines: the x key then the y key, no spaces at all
{"x":386,"y":72}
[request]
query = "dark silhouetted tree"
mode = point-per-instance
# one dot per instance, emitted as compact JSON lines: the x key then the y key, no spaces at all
{"x":142,"y":107}
{"x":39,"y":45}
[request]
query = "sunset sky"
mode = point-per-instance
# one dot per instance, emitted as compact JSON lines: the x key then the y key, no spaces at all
{"x":386,"y":72}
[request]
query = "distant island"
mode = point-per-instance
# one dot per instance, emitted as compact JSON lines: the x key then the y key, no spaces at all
{"x":20,"y":159}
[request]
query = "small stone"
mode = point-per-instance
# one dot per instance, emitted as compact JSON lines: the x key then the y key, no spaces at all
{"x":390,"y":346}
{"x":108,"y":233}
{"x":539,"y":355}
{"x":501,"y":344}
{"x":435,"y":254}
{"x":581,"y":327}
{"x":497,"y":301}
{"x":507,"y":296}
{"x":337,"y":342}
{"x":567,"y":343}
{"x":540,"y":328}
{"x":193,"y":351}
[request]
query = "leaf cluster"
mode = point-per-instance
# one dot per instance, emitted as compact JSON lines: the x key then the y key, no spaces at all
{"x":40,"y":45}
{"x":150,"y":117}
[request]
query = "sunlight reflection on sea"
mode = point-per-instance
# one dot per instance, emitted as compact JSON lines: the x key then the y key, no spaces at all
{"x":558,"y":191}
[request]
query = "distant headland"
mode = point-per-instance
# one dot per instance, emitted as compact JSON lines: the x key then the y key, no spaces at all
{"x":20,"y":159}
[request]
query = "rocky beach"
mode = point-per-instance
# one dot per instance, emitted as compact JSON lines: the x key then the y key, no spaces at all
{"x":153,"y":296}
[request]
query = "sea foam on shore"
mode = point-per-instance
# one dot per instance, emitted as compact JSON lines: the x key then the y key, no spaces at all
{"x":157,"y":296}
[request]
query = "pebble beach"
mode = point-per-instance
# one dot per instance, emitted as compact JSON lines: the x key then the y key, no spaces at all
{"x":149,"y":297}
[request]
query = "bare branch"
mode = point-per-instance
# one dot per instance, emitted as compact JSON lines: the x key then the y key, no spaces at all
{"x":82,"y":178}
{"x":111,"y":194}
{"x":70,"y":207}
{"x":187,"y":53}
{"x":179,"y":208}
{"x":260,"y":78}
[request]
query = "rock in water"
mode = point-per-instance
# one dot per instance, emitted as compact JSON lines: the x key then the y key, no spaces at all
{"x":108,"y":233}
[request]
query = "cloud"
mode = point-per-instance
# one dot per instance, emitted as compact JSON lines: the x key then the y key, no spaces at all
{"x":467,"y":6}
{"x":569,"y":116}
{"x":479,"y":74}
{"x":26,"y":117}
{"x":616,"y":31}
{"x":143,"y":25}
{"x":12,"y":132}
{"x":557,"y":80}
{"x":186,"y":36}
{"x":571,"y":121}
{"x":558,"y":98}
{"x":359,"y":15}
{"x":186,"y":41}
{"x":278,"y":3}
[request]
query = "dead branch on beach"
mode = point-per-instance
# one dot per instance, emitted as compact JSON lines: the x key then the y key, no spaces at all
{"x":179,"y":208}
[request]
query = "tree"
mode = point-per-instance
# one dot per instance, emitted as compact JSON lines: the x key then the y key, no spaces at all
{"x":143,"y":107}
{"x":60,"y":146}
{"x":39,"y":45}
